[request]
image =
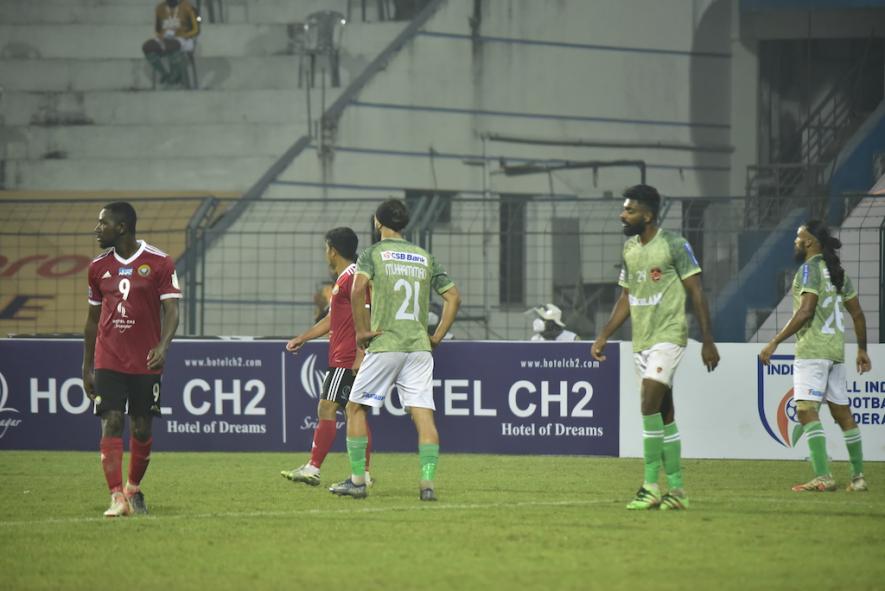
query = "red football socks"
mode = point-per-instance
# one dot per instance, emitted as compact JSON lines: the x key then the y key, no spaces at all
{"x":112,"y":462}
{"x":323,"y":438}
{"x":139,"y":458}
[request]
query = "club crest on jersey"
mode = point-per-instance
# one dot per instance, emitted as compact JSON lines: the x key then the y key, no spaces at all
{"x":655,"y":274}
{"x":144,"y":270}
{"x":777,"y":409}
{"x":335,"y":290}
{"x":124,"y":272}
{"x":403,"y":257}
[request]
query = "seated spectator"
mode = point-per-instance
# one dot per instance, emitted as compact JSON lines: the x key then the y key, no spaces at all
{"x":548,"y":326}
{"x":177,"y":26}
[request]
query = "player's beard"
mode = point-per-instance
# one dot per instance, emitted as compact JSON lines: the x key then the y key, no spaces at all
{"x":799,"y":255}
{"x":634,"y":229}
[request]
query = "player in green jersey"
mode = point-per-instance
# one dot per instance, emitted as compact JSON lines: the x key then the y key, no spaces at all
{"x":659,"y":267}
{"x":820,"y":289}
{"x":397,"y":345}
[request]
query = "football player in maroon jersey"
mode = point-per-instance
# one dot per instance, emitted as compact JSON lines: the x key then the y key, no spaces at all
{"x":133,"y":315}
{"x":344,"y":356}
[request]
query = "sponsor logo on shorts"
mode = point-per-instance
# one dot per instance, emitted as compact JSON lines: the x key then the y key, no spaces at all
{"x":777,"y":409}
{"x":311,"y":377}
{"x":403,"y":257}
{"x":371,"y":396}
{"x":124,"y":271}
{"x":144,"y":270}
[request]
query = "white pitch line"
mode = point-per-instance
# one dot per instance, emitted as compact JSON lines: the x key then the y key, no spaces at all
{"x":361,"y":510}
{"x":413,"y":507}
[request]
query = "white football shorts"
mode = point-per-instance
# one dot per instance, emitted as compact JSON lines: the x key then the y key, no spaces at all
{"x":411,"y":373}
{"x":658,"y":363}
{"x":819,"y":380}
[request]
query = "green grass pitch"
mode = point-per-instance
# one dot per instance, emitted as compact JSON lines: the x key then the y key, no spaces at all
{"x":229,"y":521}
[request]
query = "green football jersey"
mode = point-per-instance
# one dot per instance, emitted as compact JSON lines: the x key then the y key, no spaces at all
{"x":824,"y":336}
{"x":653,"y":274}
{"x":402,"y":276}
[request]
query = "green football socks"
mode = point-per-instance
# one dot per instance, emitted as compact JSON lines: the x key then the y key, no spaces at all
{"x":672,"y":456}
{"x":817,"y":446}
{"x":428,"y":454}
{"x":855,"y":450}
{"x":356,"y":451}
{"x":652,"y":445}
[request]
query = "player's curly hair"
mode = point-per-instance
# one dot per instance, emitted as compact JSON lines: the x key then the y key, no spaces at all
{"x":344,"y":240}
{"x":647,"y":196}
{"x":393,"y":214}
{"x":829,"y":244}
{"x":122,"y":211}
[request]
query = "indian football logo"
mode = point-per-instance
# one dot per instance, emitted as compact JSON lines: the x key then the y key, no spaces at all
{"x":311,"y":377}
{"x":777,"y":410}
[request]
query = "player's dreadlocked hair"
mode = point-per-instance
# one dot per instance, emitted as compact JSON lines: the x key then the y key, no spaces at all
{"x":829,"y":244}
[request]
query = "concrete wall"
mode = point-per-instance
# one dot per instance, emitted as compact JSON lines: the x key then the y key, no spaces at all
{"x":566,"y":70}
{"x":79,"y":109}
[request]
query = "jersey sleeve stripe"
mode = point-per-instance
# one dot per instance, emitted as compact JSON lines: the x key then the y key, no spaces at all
{"x":446,"y":288}
{"x":154,"y":250}
{"x":694,"y":271}
{"x":93,"y":302}
{"x":169,"y":296}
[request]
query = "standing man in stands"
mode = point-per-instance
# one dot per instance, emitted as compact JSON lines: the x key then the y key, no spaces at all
{"x":398,"y":347}
{"x":820,"y":290}
{"x":344,"y":356}
{"x":659,"y":268}
{"x":133,"y":315}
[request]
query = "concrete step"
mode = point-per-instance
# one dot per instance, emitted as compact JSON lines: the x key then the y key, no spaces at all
{"x":61,"y":75}
{"x":167,"y":107}
{"x":212,"y":175}
{"x":138,"y":12}
{"x":116,"y":41}
{"x":147,"y":142}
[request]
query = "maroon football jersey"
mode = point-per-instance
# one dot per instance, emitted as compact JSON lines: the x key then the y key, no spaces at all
{"x":342,"y":334}
{"x":129,"y":292}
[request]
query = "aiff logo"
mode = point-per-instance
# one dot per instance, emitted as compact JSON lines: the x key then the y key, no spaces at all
{"x":311,"y":377}
{"x":777,"y":410}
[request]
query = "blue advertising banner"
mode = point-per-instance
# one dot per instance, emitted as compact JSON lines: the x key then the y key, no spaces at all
{"x":491,"y":397}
